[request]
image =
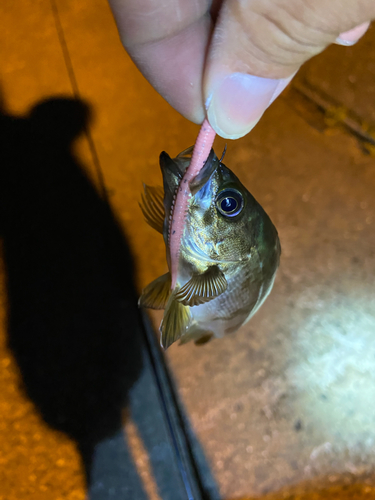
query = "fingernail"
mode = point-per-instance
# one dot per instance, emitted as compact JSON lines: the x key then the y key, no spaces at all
{"x":238,"y":101}
{"x":352,"y":36}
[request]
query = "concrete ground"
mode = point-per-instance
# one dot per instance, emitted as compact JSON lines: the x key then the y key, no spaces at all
{"x":282,"y":409}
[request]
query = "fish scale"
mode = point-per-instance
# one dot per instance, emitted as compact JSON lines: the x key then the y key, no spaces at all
{"x":227,"y":258}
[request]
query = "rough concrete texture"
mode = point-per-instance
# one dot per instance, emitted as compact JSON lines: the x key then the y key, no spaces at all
{"x":288,"y":398}
{"x":285,"y":407}
{"x":348,"y":76}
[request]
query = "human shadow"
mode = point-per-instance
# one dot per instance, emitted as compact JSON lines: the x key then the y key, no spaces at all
{"x":73,"y":321}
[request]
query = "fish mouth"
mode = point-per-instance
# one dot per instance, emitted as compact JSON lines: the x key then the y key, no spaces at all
{"x":205,"y":174}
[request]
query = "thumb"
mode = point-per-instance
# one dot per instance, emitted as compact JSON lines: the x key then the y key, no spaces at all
{"x":257,"y":47}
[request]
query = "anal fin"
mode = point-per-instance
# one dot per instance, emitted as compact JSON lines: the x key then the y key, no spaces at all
{"x":176,"y":321}
{"x":203,"y":287}
{"x":156,"y":294}
{"x":152,"y":206}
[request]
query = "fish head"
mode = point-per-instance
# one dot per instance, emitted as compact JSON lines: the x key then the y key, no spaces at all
{"x":224,"y":222}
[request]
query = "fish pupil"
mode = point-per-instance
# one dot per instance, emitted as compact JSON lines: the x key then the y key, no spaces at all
{"x":229,"y":204}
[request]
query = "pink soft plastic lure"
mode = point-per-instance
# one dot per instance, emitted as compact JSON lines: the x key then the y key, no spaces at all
{"x":201,"y":151}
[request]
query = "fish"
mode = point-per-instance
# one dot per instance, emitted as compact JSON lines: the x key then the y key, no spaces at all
{"x":228,"y":256}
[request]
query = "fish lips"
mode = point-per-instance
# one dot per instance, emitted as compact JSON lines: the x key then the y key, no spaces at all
{"x":205,"y":174}
{"x":174,"y":169}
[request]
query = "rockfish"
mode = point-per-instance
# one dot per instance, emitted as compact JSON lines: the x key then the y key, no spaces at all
{"x":228,"y":258}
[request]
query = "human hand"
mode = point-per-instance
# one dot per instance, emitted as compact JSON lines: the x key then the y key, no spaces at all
{"x":229,"y":59}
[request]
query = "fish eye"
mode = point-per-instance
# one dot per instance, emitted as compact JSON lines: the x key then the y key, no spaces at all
{"x":229,"y":202}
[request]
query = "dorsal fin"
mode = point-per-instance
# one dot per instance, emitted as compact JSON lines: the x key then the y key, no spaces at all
{"x":152,"y":206}
{"x":202,"y":288}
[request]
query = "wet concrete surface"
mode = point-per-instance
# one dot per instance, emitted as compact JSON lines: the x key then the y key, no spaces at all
{"x":283,"y":408}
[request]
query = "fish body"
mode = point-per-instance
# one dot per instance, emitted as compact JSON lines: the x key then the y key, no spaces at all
{"x":228,"y":258}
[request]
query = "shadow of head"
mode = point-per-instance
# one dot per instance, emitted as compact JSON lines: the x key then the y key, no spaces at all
{"x":73,"y":322}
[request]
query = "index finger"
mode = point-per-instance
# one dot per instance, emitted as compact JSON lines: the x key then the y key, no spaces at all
{"x":167,"y":40}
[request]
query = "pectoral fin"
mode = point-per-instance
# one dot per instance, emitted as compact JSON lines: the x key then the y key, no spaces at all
{"x":152,"y":206}
{"x":156,"y":294}
{"x":202,"y":288}
{"x":176,"y":321}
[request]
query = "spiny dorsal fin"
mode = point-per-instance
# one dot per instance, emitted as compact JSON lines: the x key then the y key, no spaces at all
{"x":152,"y":206}
{"x":202,"y":288}
{"x":176,"y":321}
{"x":156,"y":294}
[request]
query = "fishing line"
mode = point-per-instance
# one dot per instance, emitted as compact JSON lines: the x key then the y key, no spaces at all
{"x":76,"y":93}
{"x":223,"y":154}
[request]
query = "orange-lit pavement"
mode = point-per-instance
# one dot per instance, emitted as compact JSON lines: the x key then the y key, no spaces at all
{"x":286,"y":405}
